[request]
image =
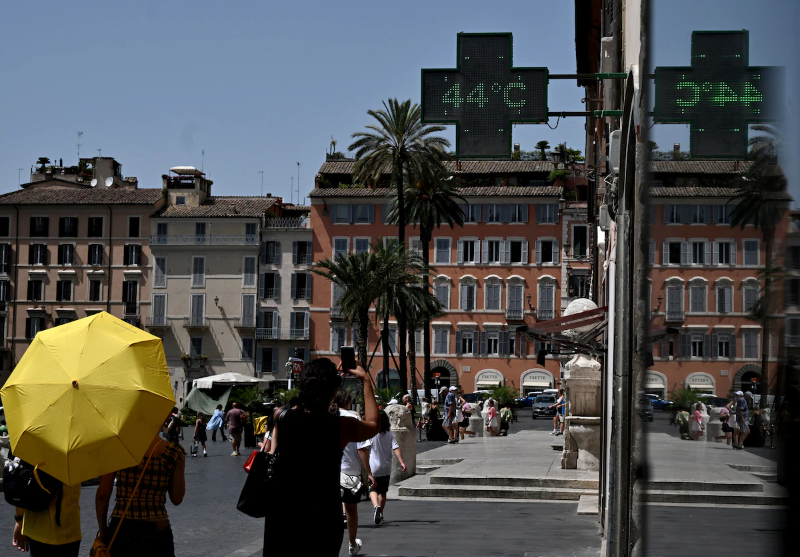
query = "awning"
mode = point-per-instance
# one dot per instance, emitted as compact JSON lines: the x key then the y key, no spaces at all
{"x":701,"y":387}
{"x":531,"y":383}
{"x":484,"y":384}
{"x":229,"y":378}
{"x":200,"y":402}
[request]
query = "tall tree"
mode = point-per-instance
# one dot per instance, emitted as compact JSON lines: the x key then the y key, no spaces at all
{"x":431,"y":198}
{"x":399,"y":143}
{"x":761,"y":200}
{"x":42,"y":162}
{"x":543,"y":146}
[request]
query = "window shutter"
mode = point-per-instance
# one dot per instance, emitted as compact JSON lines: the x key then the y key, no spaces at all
{"x":686,"y":345}
{"x":686,"y":213}
{"x":262,"y":280}
{"x":652,"y":252}
{"x":478,"y":251}
{"x":460,"y":256}
{"x":733,"y":253}
{"x":310,"y":256}
{"x":504,"y":252}
{"x":505,"y":212}
{"x":458,"y":343}
{"x":717,"y":212}
{"x":706,"y":346}
{"x":667,"y":212}
{"x":276,"y":294}
{"x":665,"y":253}
{"x":371,"y":213}
{"x":463,"y":295}
{"x":651,"y":213}
{"x":486,"y":251}
{"x":274,"y":360}
{"x":308,"y":286}
{"x":294,"y":286}
{"x":521,"y":344}
{"x":728,"y":299}
{"x":276,"y":323}
{"x":537,"y":346}
{"x":538,"y":213}
{"x":554,"y":209}
{"x":686,"y":253}
{"x":352,"y":213}
{"x":277,"y":252}
{"x":294,"y":253}
{"x":306,"y":323}
{"x":28,"y":326}
{"x":707,"y":258}
{"x":665,"y":350}
{"x":707,"y":213}
{"x":486,"y":209}
{"x":715,"y":260}
{"x":484,"y":344}
{"x":555,"y":252}
{"x":259,"y":357}
{"x":292,"y":324}
{"x":714,"y":346}
{"x":525,"y":251}
{"x":504,"y":343}
{"x":263,"y":253}
{"x":732,"y":340}
{"x":524,"y":212}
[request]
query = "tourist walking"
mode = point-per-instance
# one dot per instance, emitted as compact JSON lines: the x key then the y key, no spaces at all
{"x":683,"y":423}
{"x":217,"y":422}
{"x":53,"y":531}
{"x":491,"y":418}
{"x":727,"y":430}
{"x":310,"y":441}
{"x":742,"y":418}
{"x":410,"y":405}
{"x":139,"y":522}
{"x":426,"y":410}
{"x":505,"y":419}
{"x":449,"y":423}
{"x":381,"y":448}
{"x":697,"y":422}
{"x":559,"y":404}
{"x":235,"y":418}
{"x":463,"y":425}
{"x":174,"y":425}
{"x":200,"y":434}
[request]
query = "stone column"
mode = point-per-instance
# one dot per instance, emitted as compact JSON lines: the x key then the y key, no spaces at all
{"x":582,"y":384}
{"x":403,"y":429}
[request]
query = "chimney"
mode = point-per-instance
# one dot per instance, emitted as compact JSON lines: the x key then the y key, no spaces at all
{"x":516,"y":150}
{"x":233,"y":209}
{"x":676,"y":151}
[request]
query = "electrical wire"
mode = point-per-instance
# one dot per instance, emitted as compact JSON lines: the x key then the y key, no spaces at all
{"x":557,"y":121}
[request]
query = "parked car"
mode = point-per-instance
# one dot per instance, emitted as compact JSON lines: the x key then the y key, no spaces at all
{"x":645,"y":409}
{"x":540,"y":406}
{"x":476,"y":397}
{"x":713,"y":401}
{"x":526,"y":402}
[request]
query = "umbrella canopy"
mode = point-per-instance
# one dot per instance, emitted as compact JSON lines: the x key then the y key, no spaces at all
{"x":87,"y":398}
{"x":229,"y":378}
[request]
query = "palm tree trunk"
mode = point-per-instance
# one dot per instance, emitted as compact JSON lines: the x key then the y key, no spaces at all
{"x":385,"y":345}
{"x":363,"y":337}
{"x":764,"y":382}
{"x":412,"y":361}
{"x":401,"y":348}
{"x":401,"y":320}
{"x":425,"y":240}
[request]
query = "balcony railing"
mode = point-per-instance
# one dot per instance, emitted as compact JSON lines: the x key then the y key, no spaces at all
{"x":195,"y":322}
{"x":287,"y":222}
{"x":245,"y":322}
{"x":544,"y":314}
{"x":155,"y":322}
{"x":204,"y":239}
{"x":793,"y":341}
{"x":515,"y":314}
{"x":674,"y":315}
{"x":131,"y":309}
{"x":281,"y":334}
{"x":337,"y":313}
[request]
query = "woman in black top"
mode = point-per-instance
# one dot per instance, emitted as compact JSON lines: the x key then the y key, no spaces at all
{"x":309,"y":441}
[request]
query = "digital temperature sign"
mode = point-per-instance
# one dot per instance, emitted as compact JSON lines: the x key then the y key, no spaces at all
{"x":484,"y":95}
{"x":720,"y":95}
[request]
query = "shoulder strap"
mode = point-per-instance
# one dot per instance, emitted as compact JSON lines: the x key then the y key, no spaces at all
{"x":130,"y":498}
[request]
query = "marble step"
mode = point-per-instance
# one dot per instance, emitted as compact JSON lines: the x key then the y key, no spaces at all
{"x":494,"y":492}
{"x":514,"y":481}
{"x":713,"y":497}
{"x":699,"y":485}
{"x":427,"y":468}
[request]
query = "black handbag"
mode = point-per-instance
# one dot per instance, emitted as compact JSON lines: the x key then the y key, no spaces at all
{"x":259,"y":486}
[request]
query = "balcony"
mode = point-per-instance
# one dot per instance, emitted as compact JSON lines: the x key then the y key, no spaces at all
{"x":515,"y":314}
{"x":157,"y":322}
{"x":792,"y":341}
{"x":544,"y":314}
{"x":337,"y":313}
{"x":288,"y":222}
{"x":194,"y":363}
{"x":674,"y":316}
{"x":281,"y":334}
{"x":195,"y":322}
{"x":245,"y":322}
{"x":204,"y":240}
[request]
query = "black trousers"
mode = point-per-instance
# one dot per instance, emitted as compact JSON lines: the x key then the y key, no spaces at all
{"x":39,"y":549}
{"x":137,"y":538}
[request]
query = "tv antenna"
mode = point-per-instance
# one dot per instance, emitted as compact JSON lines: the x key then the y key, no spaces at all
{"x":99,"y":152}
{"x":291,"y":189}
{"x":80,"y":135}
{"x":262,"y":182}
{"x":202,"y":158}
{"x":19,"y":177}
{"x":298,"y":183}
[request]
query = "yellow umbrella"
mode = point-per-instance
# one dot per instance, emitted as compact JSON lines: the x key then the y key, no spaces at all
{"x":87,"y":398}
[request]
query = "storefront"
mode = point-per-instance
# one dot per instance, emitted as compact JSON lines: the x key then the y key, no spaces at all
{"x":655,"y":383}
{"x":536,"y":380}
{"x":488,"y":379}
{"x":700,"y":383}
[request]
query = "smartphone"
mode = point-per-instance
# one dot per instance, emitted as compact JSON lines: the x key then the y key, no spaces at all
{"x":348,"y":355}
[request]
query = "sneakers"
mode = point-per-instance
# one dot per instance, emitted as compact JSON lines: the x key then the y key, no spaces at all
{"x":234,"y":454}
{"x":554,"y":432}
{"x":354,"y":549}
{"x":378,"y":515}
{"x":560,"y":433}
{"x":205,"y":454}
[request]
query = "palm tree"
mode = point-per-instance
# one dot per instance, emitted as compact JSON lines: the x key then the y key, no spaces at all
{"x":543,"y":146}
{"x":42,"y":162}
{"x":760,"y":200}
{"x":431,"y":199}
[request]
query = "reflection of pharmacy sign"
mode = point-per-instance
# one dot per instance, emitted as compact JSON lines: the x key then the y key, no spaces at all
{"x":484,"y":95}
{"x":719,"y":95}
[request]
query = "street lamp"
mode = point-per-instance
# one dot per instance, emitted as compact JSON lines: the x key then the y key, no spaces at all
{"x":558,"y":157}
{"x":216,"y":301}
{"x":567,"y":245}
{"x":561,"y":204}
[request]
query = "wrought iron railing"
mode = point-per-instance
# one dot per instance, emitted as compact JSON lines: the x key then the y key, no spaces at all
{"x":287,"y":222}
{"x":514,"y":313}
{"x":204,"y":239}
{"x":674,"y":315}
{"x":131,"y":308}
{"x":195,"y":321}
{"x":281,"y":334}
{"x":156,"y":321}
{"x":544,"y":314}
{"x":245,"y":321}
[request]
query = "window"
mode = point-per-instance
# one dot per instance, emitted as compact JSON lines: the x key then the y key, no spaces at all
{"x":701,"y":253}
{"x":493,"y":343}
{"x":95,"y":290}
{"x":248,"y":310}
{"x":95,"y":227}
{"x":472,"y":212}
{"x":338,"y":338}
{"x":134,"y":227}
{"x":301,"y":353}
{"x":340,"y":247}
{"x":63,"y":320}
{"x":674,"y":303}
{"x":32,"y":326}
{"x":160,"y":272}
{"x":723,"y":346}
{"x":546,"y":252}
{"x":390,"y":242}
{"x":64,"y":291}
{"x":196,"y":346}
{"x":365,"y":213}
{"x":672,"y":253}
{"x":519,"y":212}
{"x":130,"y":291}
{"x":491,"y":213}
{"x":697,"y":299}
{"x":336,"y":295}
{"x":96,"y":254}
{"x":198,"y":271}
{"x":672,"y":214}
{"x":5,"y":227}
{"x":132,"y":254}
{"x":697,"y":345}
{"x":722,"y":214}
{"x":40,"y":227}
{"x":161,"y":234}
{"x":198,"y":309}
{"x":5,"y":258}
{"x":547,"y":213}
{"x":579,"y":286}
{"x":270,"y":252}
{"x":751,"y":252}
{"x":66,"y":254}
{"x":793,"y":257}
{"x":442,"y":250}
{"x":361,"y":245}
{"x":546,"y":307}
{"x":200,"y":232}
{"x":301,"y":286}
{"x":441,"y":341}
{"x":68,"y":227}
{"x":37,"y":254}
{"x":247,"y":348}
{"x":724,"y":253}
{"x":301,"y":253}
{"x":159,"y":310}
{"x":467,"y":297}
{"x":442,"y":294}
{"x":493,"y":293}
{"x":515,"y":292}
{"x":750,"y":344}
{"x":267,"y":360}
{"x":469,"y":251}
{"x":724,"y":299}
{"x":751,"y":294}
{"x":180,"y":200}
{"x":467,"y":342}
{"x":491,"y":251}
{"x":35,"y":290}
{"x":580,"y":241}
{"x":269,"y":286}
{"x":699,"y":214}
{"x":518,"y":251}
{"x":342,"y":213}
{"x":249,"y":278}
{"x":251,"y":233}
{"x":4,"y":290}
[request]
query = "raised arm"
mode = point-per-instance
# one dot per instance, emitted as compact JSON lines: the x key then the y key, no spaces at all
{"x":101,"y":499}
{"x":177,"y":486}
{"x":353,"y":430}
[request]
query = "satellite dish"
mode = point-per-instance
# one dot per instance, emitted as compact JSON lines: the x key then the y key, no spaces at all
{"x":109,"y":181}
{"x":94,"y":182}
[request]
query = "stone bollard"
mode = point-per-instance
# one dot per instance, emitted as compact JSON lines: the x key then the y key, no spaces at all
{"x":713,"y":427}
{"x":405,"y":434}
{"x":476,"y":422}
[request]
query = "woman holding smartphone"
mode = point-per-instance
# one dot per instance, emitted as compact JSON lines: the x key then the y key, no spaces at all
{"x":309,"y":440}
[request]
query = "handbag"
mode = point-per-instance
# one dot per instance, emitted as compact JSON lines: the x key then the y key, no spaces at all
{"x":195,"y":447}
{"x":261,"y":483}
{"x":99,"y":547}
{"x":249,"y":462}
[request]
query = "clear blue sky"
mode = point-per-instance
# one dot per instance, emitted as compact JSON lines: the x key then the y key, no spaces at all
{"x":258,"y":85}
{"x":773,"y":42}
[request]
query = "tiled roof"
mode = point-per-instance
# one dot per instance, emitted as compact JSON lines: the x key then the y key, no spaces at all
{"x":701,"y":192}
{"x":488,"y":191}
{"x":699,"y":167}
{"x":466,"y":167}
{"x":57,"y":195}
{"x":221,"y":207}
